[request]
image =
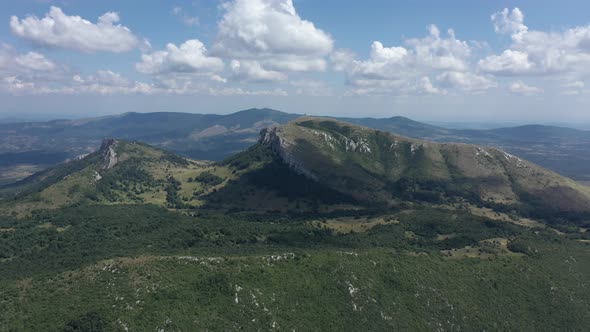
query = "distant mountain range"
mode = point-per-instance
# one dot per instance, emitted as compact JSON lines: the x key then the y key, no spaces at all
{"x":33,"y":146}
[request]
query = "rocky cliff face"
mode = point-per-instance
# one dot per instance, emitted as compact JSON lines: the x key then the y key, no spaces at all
{"x":108,"y":153}
{"x":272,"y":137}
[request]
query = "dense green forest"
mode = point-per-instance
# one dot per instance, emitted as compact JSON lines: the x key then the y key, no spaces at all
{"x":93,"y":268}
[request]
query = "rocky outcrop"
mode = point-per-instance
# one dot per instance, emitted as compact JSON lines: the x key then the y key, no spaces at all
{"x":359,"y":145}
{"x":271,"y":137}
{"x":350,"y":144}
{"x":108,"y":153}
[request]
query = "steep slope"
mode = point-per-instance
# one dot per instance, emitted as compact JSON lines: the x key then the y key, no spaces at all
{"x":375,"y":166}
{"x":120,"y":172}
{"x":310,"y":164}
{"x":123,"y":172}
{"x":200,"y":136}
{"x":29,"y":147}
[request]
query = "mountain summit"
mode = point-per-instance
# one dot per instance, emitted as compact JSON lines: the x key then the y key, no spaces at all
{"x":376,"y":166}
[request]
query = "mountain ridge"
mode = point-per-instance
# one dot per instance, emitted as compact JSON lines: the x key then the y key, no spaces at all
{"x":215,"y":137}
{"x":442,"y":161}
{"x":308,"y":165}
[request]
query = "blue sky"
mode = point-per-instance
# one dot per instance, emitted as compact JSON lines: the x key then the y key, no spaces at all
{"x":503,"y":61}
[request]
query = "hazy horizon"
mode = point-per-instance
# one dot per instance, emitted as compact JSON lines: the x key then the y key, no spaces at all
{"x":42,"y":117}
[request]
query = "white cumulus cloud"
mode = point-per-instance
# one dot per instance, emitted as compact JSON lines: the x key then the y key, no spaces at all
{"x":249,"y":70}
{"x":519,"y":87}
{"x":341,"y":59}
{"x":407,"y":69}
{"x":426,"y":86}
{"x":107,"y":82}
{"x":255,"y":27}
{"x":272,"y":33}
{"x":441,"y":53}
{"x":508,"y":63}
{"x":190,"y":57}
{"x":28,"y":64}
{"x":389,"y":54}
{"x":466,"y":81}
{"x":35,"y":61}
{"x":511,"y":22}
{"x":59,"y":30}
{"x":535,"y":52}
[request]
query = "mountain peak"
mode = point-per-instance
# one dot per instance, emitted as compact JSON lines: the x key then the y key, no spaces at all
{"x":268,"y":136}
{"x":379,"y":167}
{"x":108,"y":153}
{"x":108,"y":143}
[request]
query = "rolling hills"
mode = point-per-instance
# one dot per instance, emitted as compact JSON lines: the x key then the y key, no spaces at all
{"x":308,"y":164}
{"x":29,"y":147}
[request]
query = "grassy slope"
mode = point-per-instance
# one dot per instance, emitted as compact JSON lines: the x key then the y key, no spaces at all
{"x":380,"y":169}
{"x":140,"y":176}
{"x":378,"y":160}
